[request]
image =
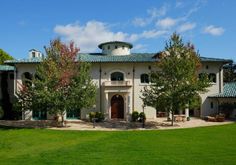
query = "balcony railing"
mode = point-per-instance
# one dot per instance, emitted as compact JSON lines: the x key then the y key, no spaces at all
{"x":116,"y":83}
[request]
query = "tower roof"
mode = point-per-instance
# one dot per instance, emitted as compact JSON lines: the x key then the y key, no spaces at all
{"x":115,"y":42}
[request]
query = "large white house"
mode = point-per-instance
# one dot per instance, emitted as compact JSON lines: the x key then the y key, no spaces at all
{"x":120,"y":76}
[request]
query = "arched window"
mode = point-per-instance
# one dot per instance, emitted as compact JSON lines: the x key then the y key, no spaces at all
{"x":144,"y":78}
{"x":26,"y":79}
{"x":212,"y":77}
{"x":117,"y":76}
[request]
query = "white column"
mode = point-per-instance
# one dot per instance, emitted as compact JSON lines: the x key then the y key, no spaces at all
{"x":106,"y":107}
{"x":187,"y":111}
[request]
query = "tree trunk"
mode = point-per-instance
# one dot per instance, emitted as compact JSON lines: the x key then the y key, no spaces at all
{"x":172,"y":120}
{"x":62,"y":120}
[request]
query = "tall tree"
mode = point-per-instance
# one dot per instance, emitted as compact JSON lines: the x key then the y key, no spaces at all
{"x":4,"y":56}
{"x":61,"y":83}
{"x":230,"y":72}
{"x":176,"y":82}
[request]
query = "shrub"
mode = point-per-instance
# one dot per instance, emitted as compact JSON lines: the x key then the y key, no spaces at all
{"x":98,"y":115}
{"x":91,"y":116}
{"x":1,"y":113}
{"x":142,"y":117}
{"x":135,"y":116}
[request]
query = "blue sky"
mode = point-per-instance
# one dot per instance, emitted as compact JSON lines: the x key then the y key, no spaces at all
{"x":209,"y":24}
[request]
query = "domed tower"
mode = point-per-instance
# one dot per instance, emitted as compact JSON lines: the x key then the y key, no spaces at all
{"x":115,"y":48}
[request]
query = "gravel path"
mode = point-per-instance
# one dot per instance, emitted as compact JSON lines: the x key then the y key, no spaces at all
{"x":159,"y":123}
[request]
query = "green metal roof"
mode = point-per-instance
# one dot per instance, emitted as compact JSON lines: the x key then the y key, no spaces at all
{"x":229,"y":91}
{"x":98,"y":57}
{"x":135,"y":57}
{"x":6,"y":68}
{"x":28,"y":60}
{"x":209,"y":59}
{"x":115,"y":42}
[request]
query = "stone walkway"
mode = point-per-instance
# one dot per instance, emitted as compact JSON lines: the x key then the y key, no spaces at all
{"x":159,"y":123}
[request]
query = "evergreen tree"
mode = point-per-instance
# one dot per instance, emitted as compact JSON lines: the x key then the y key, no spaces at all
{"x":176,"y":83}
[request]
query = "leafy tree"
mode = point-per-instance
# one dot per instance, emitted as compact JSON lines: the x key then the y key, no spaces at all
{"x":176,"y":82}
{"x":230,"y":73}
{"x":61,"y":83}
{"x":4,"y":56}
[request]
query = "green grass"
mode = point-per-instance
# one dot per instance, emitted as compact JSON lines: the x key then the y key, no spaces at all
{"x":210,"y":145}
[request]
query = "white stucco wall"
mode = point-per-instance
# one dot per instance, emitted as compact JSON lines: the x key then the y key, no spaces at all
{"x":116,"y":49}
{"x":211,"y":67}
{"x":131,"y":93}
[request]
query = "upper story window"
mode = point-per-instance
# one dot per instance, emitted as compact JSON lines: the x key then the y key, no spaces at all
{"x":117,"y":76}
{"x":33,"y":54}
{"x":144,"y":78}
{"x":212,"y":77}
{"x":26,"y":79}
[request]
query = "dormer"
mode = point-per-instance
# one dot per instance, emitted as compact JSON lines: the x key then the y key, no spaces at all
{"x":115,"y":48}
{"x":33,"y":53}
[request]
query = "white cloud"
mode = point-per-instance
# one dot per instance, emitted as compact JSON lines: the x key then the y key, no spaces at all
{"x":186,"y":26}
{"x":152,"y":14}
{"x":153,"y":33}
{"x":166,"y":22}
{"x":88,"y":36}
{"x":140,"y":47}
{"x":215,"y":31}
{"x":140,"y":22}
{"x":179,"y":4}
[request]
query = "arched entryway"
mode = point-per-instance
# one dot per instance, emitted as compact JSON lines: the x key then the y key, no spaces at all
{"x":117,"y":107}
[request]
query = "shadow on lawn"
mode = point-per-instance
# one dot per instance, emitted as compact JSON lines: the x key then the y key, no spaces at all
{"x":3,"y":127}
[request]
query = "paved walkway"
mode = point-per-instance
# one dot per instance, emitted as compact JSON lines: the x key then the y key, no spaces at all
{"x":159,"y":123}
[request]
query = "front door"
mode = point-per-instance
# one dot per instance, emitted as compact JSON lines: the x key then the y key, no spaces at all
{"x":117,"y":107}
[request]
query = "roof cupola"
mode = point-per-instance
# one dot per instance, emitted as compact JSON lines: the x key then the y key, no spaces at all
{"x":115,"y":48}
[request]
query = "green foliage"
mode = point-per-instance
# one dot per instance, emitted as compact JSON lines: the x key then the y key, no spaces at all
{"x":142,"y":117}
{"x":98,"y":115}
{"x":61,"y":83}
{"x":176,"y":83}
{"x":1,"y":112}
{"x":135,"y":116}
{"x":4,"y":56}
{"x":92,"y":116}
{"x":229,"y":73}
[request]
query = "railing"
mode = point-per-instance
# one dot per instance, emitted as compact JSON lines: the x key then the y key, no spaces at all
{"x":116,"y":83}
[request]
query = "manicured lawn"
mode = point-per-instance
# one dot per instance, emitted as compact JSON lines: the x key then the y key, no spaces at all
{"x":210,"y":145}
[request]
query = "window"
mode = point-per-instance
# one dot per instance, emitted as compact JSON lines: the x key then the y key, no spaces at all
{"x":26,"y":79}
{"x":33,"y":54}
{"x":73,"y":114}
{"x":212,"y":105}
{"x":117,"y":76}
{"x":212,"y":77}
{"x":108,"y":47}
{"x":39,"y":115}
{"x":144,"y":78}
{"x":116,"y":47}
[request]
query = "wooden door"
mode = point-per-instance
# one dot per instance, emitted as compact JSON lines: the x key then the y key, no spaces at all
{"x":117,"y":107}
